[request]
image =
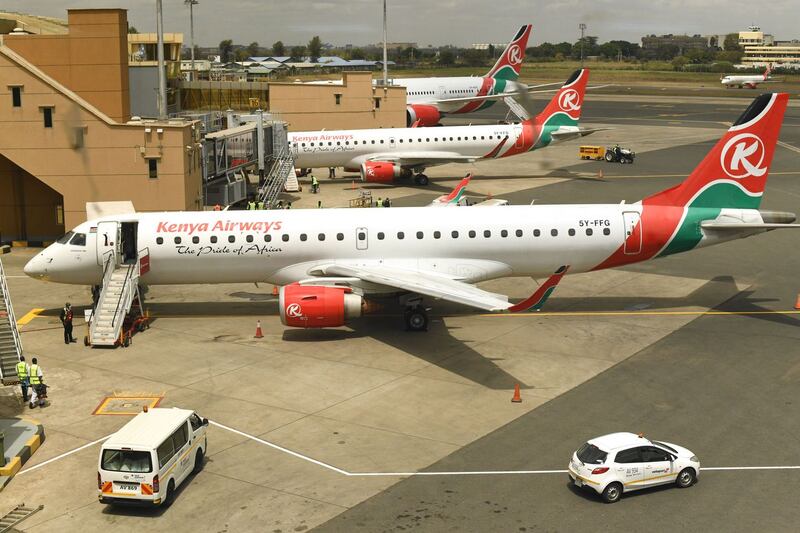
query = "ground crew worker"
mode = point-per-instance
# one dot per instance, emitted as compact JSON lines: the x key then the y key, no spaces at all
{"x":387,"y":202}
{"x":380,"y":202}
{"x":314,"y":184}
{"x":280,"y":204}
{"x":260,"y":205}
{"x":331,"y":172}
{"x":319,"y":204}
{"x":66,"y":321}
{"x":288,"y":205}
{"x":23,"y":374}
{"x":251,"y":204}
{"x":37,"y":379}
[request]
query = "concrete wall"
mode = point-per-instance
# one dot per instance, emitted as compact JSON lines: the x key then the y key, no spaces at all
{"x":92,"y":59}
{"x":86,"y":156}
{"x":313,"y":107}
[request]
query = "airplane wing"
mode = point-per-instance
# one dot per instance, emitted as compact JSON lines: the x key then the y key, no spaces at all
{"x":500,"y":96}
{"x":411,"y":159}
{"x":442,"y":287}
{"x":723,"y":226}
{"x":574,"y":134}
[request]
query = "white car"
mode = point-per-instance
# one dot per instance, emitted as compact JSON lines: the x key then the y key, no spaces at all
{"x":622,"y":462}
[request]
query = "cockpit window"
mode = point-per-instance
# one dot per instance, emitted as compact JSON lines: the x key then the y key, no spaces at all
{"x":78,"y":240}
{"x":65,"y":239}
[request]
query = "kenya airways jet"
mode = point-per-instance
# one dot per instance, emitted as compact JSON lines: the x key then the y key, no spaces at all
{"x":751,"y":82}
{"x":429,"y":99}
{"x":332,"y":264}
{"x":383,"y":155}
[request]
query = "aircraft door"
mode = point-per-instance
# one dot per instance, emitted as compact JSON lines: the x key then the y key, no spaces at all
{"x":128,"y":242}
{"x":633,"y":232}
{"x":362,"y":238}
{"x":107,"y":239}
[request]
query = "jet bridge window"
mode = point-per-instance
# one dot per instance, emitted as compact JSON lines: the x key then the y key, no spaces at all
{"x":78,"y":240}
{"x":159,"y":240}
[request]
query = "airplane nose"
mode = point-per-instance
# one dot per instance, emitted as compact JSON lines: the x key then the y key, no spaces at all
{"x":35,"y":268}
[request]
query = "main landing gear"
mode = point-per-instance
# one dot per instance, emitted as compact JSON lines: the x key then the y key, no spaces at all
{"x":421,"y":179}
{"x":416,"y":318}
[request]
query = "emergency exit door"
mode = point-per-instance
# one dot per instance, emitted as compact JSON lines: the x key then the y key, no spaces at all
{"x":107,"y":239}
{"x":362,"y":238}
{"x":633,"y":232}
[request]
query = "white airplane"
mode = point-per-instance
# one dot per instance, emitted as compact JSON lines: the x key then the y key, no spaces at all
{"x":383,"y":155}
{"x":751,"y":81}
{"x":332,"y":264}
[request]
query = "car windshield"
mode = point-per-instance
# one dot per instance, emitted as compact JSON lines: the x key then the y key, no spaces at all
{"x":126,"y":461}
{"x":589,"y":453}
{"x":65,"y":239}
{"x":665,"y":446}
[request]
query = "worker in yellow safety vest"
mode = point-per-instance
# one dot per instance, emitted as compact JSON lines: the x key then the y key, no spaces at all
{"x":36,"y":381}
{"x":23,"y":374}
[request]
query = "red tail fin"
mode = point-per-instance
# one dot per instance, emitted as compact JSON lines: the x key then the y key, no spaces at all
{"x":510,"y":62}
{"x":568,"y":101}
{"x":735,"y":171}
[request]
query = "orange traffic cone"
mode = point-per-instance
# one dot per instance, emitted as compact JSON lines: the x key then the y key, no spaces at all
{"x":797,"y":302}
{"x":353,"y":187}
{"x":258,"y":334}
{"x":517,"y":397}
{"x":600,"y":174}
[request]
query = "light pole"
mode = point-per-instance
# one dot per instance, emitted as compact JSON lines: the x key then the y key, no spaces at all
{"x":582,"y":27}
{"x":162,"y":75}
{"x":191,"y":4}
{"x":385,"y":67}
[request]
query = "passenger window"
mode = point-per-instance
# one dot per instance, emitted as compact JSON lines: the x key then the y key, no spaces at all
{"x":267,"y":237}
{"x":321,"y":236}
{"x":651,"y":454}
{"x":340,"y":236}
{"x":159,"y":240}
{"x":249,"y":238}
{"x":401,"y":235}
{"x":454,"y":234}
{"x":571,"y":232}
{"x":165,"y":452}
{"x":177,"y":240}
{"x":285,"y":237}
{"x":518,"y":233}
{"x":180,"y":438}
{"x":195,"y":239}
{"x":380,"y":235}
{"x":554,"y":232}
{"x":231,"y":239}
{"x":437,"y":234}
{"x":213,"y":239}
{"x":536,"y":233}
{"x":632,"y":455}
{"x":420,"y":235}
{"x":472,"y":234}
{"x":589,"y":231}
{"x":487,"y":233}
{"x":606,"y":231}
{"x":361,"y":236}
{"x":504,"y":233}
{"x":303,"y":237}
{"x":78,"y":240}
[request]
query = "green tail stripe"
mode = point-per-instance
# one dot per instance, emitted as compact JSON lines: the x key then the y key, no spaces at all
{"x":538,"y":305}
{"x":506,"y":73}
{"x":553,"y":122}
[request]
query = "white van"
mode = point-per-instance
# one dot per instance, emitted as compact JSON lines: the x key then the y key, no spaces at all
{"x":150,"y":456}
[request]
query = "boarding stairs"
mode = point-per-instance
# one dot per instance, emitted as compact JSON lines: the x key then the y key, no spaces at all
{"x":17,"y":515}
{"x":281,"y":177}
{"x":119,"y":290}
{"x":10,"y":344}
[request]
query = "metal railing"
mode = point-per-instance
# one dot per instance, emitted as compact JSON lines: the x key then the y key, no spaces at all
{"x":276,"y":178}
{"x":9,"y":311}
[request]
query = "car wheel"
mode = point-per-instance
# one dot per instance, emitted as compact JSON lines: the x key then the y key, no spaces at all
{"x":198,"y":462}
{"x":609,"y":157}
{"x":170,"y":493}
{"x":612,"y":493}
{"x":686,"y":478}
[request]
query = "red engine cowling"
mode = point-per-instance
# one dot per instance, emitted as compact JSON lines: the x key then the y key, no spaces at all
{"x":427,"y":115}
{"x":309,"y":306}
{"x":379,"y":172}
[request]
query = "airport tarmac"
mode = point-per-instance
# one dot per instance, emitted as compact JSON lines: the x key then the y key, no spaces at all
{"x":630,"y":349}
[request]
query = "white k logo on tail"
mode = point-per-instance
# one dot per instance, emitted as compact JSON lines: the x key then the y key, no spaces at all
{"x":569,"y":100}
{"x":515,"y":55}
{"x":742,"y":156}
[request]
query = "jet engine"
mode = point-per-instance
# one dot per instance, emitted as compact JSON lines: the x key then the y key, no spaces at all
{"x":309,"y":306}
{"x":380,"y":171}
{"x":427,"y":115}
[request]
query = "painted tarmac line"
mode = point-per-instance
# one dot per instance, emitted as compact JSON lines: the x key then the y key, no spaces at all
{"x":63,"y":455}
{"x":640,"y":313}
{"x":392,"y":474}
{"x":30,"y":315}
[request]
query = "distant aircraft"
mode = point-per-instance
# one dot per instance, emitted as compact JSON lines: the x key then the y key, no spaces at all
{"x":383,"y":155}
{"x":751,"y":82}
{"x":333,"y":264}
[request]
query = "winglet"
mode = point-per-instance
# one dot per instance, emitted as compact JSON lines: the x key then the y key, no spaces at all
{"x":538,"y":298}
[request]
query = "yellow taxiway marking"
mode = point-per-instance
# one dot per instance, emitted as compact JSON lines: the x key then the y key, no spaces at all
{"x":642,"y":313}
{"x":613,"y":176}
{"x":33,"y":313}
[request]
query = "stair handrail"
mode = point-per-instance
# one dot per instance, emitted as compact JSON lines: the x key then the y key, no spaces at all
{"x":10,"y":312}
{"x":125,"y":293}
{"x":109,"y":262}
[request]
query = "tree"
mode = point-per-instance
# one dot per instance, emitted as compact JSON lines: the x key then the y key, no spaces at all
{"x":253,"y":49}
{"x":132,"y":29}
{"x":446,"y":57}
{"x":565,"y":49}
{"x":474,"y":58}
{"x":731,"y":43}
{"x":298,"y":52}
{"x":314,"y":48}
{"x":225,"y":50}
{"x":730,"y":56}
{"x":357,"y":53}
{"x":491,"y":51}
{"x":699,"y":55}
{"x":679,"y":63}
{"x":278,"y":50}
{"x":240,"y":54}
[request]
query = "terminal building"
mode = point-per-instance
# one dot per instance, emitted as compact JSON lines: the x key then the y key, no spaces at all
{"x":69,"y":134}
{"x":761,"y":49}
